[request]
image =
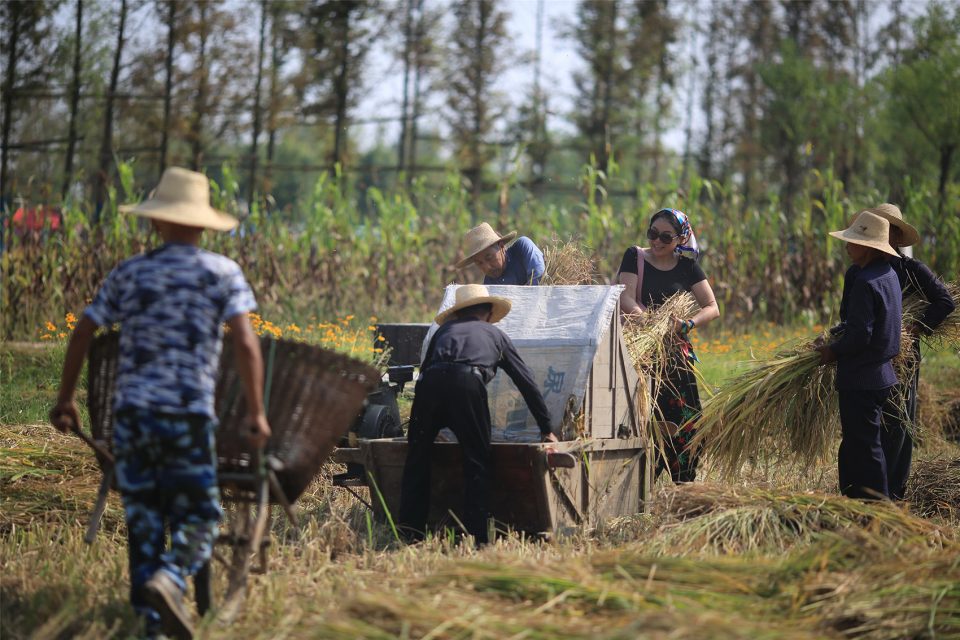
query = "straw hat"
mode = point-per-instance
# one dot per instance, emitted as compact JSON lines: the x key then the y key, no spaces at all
{"x":891,"y":213}
{"x":183,"y":197}
{"x":471,"y":294}
{"x":478,"y":239}
{"x":870,"y":230}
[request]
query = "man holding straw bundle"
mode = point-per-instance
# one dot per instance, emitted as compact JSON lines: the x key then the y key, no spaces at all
{"x":918,"y":282}
{"x":871,"y":315}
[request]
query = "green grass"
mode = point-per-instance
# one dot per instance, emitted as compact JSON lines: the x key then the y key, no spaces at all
{"x":29,"y":380}
{"x":941,"y":368}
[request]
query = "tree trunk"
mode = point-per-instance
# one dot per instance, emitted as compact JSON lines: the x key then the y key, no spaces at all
{"x":200,"y":104}
{"x":8,"y":102}
{"x":946,"y":158}
{"x":405,"y":104}
{"x":607,"y":104}
{"x":342,"y":90}
{"x":106,"y":144}
{"x":252,"y":186}
{"x":168,"y":85}
{"x":688,"y":130}
{"x":539,"y":152}
{"x":475,"y":170}
{"x":74,"y":105}
{"x":417,"y":78}
{"x":658,"y":114}
{"x":709,"y":94}
{"x":272,"y":118}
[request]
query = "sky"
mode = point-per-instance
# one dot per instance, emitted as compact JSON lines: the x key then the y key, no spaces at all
{"x":384,"y":91}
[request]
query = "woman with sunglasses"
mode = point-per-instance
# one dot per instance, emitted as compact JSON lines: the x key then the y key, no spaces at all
{"x":651,"y":275}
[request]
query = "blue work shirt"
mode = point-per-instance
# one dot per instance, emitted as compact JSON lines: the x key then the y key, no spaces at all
{"x":171,"y":304}
{"x":871,"y":315}
{"x":524,"y":264}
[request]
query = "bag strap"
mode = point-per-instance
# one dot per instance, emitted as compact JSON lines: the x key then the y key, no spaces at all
{"x":639,"y":291}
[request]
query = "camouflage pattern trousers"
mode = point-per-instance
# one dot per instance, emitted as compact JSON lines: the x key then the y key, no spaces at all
{"x":166,"y":473}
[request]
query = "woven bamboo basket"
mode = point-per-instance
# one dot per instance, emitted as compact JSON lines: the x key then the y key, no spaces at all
{"x":312,"y":396}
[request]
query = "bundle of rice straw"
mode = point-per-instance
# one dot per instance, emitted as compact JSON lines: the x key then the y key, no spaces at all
{"x":650,"y":339}
{"x":934,"y":487}
{"x":567,"y":264}
{"x":784,"y":407}
{"x":948,"y":333}
{"x":711,"y":518}
{"x":650,"y":336}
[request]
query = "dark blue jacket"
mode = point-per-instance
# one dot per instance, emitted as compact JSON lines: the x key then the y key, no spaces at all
{"x":916,"y":278}
{"x":480,"y":344}
{"x":871,"y":314}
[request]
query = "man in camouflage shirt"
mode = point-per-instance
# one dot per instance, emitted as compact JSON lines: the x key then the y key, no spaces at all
{"x":171,"y":305}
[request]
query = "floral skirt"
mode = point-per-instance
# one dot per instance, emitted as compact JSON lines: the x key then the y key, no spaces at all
{"x":678,"y":401}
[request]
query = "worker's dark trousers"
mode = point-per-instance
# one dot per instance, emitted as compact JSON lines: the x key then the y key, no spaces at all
{"x":860,"y":460}
{"x":895,"y":436}
{"x":455,"y":397}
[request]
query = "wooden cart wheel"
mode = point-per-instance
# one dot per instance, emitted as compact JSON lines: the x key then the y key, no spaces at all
{"x":221,"y":585}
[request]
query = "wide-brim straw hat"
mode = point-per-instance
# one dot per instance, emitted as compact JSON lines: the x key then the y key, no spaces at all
{"x":891,"y":213}
{"x":183,"y":197}
{"x":478,"y":239}
{"x":471,"y":294}
{"x":869,"y":230}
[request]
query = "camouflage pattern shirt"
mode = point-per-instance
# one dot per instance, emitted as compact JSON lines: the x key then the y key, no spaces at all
{"x":171,"y":304}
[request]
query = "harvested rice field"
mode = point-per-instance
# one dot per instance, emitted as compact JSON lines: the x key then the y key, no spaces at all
{"x":771,"y":553}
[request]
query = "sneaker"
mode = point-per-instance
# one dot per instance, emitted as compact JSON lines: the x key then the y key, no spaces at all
{"x":165,"y":596}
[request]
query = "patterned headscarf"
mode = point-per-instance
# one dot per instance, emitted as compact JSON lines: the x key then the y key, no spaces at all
{"x":688,"y":247}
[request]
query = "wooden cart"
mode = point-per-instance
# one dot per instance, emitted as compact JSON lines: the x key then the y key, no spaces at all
{"x":602,"y":468}
{"x":311,"y":398}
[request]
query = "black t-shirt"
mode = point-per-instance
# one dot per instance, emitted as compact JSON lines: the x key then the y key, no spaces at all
{"x":659,"y":285}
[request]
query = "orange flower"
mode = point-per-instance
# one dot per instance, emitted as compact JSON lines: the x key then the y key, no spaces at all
{"x":51,"y":327}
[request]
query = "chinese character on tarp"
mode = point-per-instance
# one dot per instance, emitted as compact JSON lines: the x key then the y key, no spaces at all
{"x":554,"y":381}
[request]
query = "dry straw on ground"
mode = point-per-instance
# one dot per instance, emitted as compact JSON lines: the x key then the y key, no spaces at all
{"x":707,"y":518}
{"x":934,"y":486}
{"x":739,"y":562}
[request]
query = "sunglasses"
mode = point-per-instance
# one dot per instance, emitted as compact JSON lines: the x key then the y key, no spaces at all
{"x":662,"y":236}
